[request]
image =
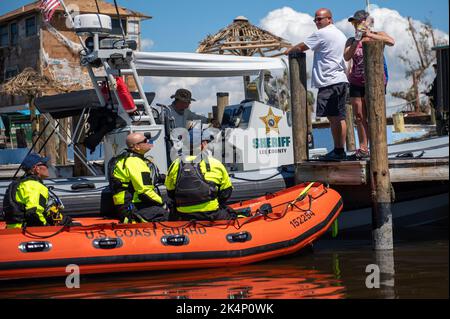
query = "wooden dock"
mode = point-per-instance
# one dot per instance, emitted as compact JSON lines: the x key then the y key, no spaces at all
{"x":357,"y":172}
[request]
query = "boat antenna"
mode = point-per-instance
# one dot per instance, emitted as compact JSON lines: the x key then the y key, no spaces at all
{"x":69,"y":16}
{"x":120,"y":21}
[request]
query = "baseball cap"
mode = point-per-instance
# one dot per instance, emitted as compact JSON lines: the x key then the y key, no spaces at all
{"x":183,"y":95}
{"x":32,"y":159}
{"x":359,"y":15}
{"x":268,"y":74}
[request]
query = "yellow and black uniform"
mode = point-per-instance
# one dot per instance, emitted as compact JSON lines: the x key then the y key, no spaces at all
{"x":199,"y":188}
{"x":132,"y":183}
{"x":25,"y":202}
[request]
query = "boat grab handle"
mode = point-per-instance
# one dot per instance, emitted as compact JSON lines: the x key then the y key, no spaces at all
{"x":35,"y":246}
{"x":83,"y":185}
{"x":175,"y":240}
{"x":107,"y":243}
{"x":240,"y":237}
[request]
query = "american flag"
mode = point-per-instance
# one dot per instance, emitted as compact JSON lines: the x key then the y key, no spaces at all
{"x":48,"y":7}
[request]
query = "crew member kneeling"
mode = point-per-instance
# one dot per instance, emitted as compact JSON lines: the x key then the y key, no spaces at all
{"x":199,"y":185}
{"x":26,"y":202}
{"x":131,"y":178}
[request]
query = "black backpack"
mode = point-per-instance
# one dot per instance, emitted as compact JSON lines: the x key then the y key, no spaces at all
{"x":191,"y":186}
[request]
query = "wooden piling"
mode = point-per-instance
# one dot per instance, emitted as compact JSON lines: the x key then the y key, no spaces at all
{"x":416,"y":92}
{"x":399,"y":122}
{"x":433,"y":116}
{"x":49,"y":136}
{"x":40,"y":127}
{"x":214,"y":112}
{"x":21,"y":138}
{"x":34,"y":119}
{"x":62,"y":148}
{"x":350,"y":138}
{"x":223,"y":100}
{"x":79,"y":168}
{"x":379,"y":165}
{"x":297,"y":69}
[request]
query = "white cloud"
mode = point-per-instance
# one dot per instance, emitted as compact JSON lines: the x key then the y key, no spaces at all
{"x":296,"y":26}
{"x":203,"y":90}
{"x":147,"y":44}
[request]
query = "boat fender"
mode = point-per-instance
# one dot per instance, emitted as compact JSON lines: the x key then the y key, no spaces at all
{"x":83,"y":185}
{"x":175,"y":240}
{"x":107,"y":243}
{"x":35,"y":246}
{"x":240,"y":237}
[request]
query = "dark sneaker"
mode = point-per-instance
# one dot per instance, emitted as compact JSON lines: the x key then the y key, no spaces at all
{"x":359,"y":155}
{"x":333,"y":156}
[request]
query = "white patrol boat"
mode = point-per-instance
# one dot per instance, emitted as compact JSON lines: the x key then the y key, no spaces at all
{"x":254,"y":140}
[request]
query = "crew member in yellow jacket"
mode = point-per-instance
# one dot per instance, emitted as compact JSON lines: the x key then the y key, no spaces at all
{"x":27,"y":201}
{"x":199,"y":186}
{"x":132,"y":178}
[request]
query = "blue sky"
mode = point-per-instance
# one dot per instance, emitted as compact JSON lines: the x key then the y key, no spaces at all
{"x":179,"y":25}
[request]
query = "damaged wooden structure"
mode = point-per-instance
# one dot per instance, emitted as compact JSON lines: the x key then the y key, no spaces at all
{"x":52,"y":50}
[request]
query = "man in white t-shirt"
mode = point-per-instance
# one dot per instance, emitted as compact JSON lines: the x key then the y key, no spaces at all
{"x":328,"y":75}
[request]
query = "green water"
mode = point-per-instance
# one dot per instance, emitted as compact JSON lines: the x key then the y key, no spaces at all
{"x":333,"y":268}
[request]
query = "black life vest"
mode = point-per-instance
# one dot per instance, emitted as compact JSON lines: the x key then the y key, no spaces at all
{"x":15,"y":211}
{"x":191,"y":187}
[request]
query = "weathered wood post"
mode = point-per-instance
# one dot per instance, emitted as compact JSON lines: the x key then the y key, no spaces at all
{"x":21,"y":138}
{"x":399,"y":122}
{"x":49,"y":136}
{"x":62,"y":148}
{"x":432,"y":115}
{"x":222,"y":101}
{"x":78,"y":169}
{"x":350,"y":138}
{"x":379,"y":165}
{"x":297,"y":69}
{"x":40,"y":129}
{"x":34,"y":119}
{"x":416,"y":92}
{"x":214,"y":112}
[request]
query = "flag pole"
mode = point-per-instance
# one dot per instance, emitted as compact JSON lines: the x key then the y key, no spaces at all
{"x":367,"y":6}
{"x":69,"y":16}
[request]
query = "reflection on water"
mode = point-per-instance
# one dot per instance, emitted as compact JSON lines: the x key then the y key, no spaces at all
{"x":337,"y":268}
{"x":261,"y":281}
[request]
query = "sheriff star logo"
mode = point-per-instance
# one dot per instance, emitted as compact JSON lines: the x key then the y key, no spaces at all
{"x":271,"y":121}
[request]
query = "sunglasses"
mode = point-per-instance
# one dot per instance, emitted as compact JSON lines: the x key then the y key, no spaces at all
{"x":317,"y":19}
{"x":42,"y":164}
{"x":147,"y":140}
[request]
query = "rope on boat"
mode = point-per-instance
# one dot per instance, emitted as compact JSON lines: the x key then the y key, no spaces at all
{"x":254,"y":180}
{"x":227,"y":223}
{"x":284,"y":168}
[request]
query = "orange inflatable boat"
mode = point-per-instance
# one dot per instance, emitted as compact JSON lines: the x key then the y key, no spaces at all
{"x":278,"y":224}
